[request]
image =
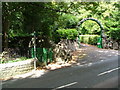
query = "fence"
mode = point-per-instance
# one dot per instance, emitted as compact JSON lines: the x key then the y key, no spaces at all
{"x":44,"y":55}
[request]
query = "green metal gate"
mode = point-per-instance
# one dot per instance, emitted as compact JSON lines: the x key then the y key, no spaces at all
{"x":44,"y":55}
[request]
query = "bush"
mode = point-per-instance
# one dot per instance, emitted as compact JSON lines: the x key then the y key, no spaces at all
{"x":115,"y":33}
{"x":67,"y":21}
{"x":68,"y":33}
{"x":89,"y":39}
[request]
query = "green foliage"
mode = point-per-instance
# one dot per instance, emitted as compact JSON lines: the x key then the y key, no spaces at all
{"x":112,"y":23}
{"x":68,"y":33}
{"x":105,"y":12}
{"x":67,"y":21}
{"x":26,"y":17}
{"x":21,"y":19}
{"x":89,"y":27}
{"x":15,"y":60}
{"x":115,"y":33}
{"x":89,"y":39}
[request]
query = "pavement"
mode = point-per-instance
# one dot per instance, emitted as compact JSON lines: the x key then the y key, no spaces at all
{"x":95,"y":68}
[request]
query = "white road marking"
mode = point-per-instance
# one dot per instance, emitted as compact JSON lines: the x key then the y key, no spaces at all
{"x":65,"y":85}
{"x":108,"y":71}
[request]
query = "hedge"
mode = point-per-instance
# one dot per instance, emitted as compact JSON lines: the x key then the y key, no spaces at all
{"x":68,"y":33}
{"x":89,"y":39}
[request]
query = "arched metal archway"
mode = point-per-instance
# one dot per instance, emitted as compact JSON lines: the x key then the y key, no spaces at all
{"x":101,"y":27}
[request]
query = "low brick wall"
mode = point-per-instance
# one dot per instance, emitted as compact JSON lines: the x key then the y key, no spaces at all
{"x":11,"y":69}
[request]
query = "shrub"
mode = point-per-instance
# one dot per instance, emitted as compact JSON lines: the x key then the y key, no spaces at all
{"x":89,"y":39}
{"x":68,"y":33}
{"x":67,"y":21}
{"x":115,"y":33}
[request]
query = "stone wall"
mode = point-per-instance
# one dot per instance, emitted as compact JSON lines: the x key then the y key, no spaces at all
{"x":11,"y":69}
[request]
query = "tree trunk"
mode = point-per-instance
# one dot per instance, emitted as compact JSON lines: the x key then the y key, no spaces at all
{"x":5,"y":33}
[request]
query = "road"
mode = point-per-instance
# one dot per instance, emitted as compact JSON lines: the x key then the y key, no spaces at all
{"x":102,"y":73}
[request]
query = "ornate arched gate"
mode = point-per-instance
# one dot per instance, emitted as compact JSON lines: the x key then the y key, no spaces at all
{"x":101,"y":27}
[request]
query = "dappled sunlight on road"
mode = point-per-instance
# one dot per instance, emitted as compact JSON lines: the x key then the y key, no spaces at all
{"x":102,"y":51}
{"x":108,"y":51}
{"x":93,"y":54}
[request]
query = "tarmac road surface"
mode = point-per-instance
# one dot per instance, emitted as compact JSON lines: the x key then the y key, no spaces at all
{"x":103,"y":73}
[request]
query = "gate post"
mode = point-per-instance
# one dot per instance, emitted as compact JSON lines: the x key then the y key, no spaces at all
{"x":35,"y":57}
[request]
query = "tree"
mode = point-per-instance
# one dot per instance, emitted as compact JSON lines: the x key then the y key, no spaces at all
{"x":7,"y":11}
{"x":21,"y":19}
